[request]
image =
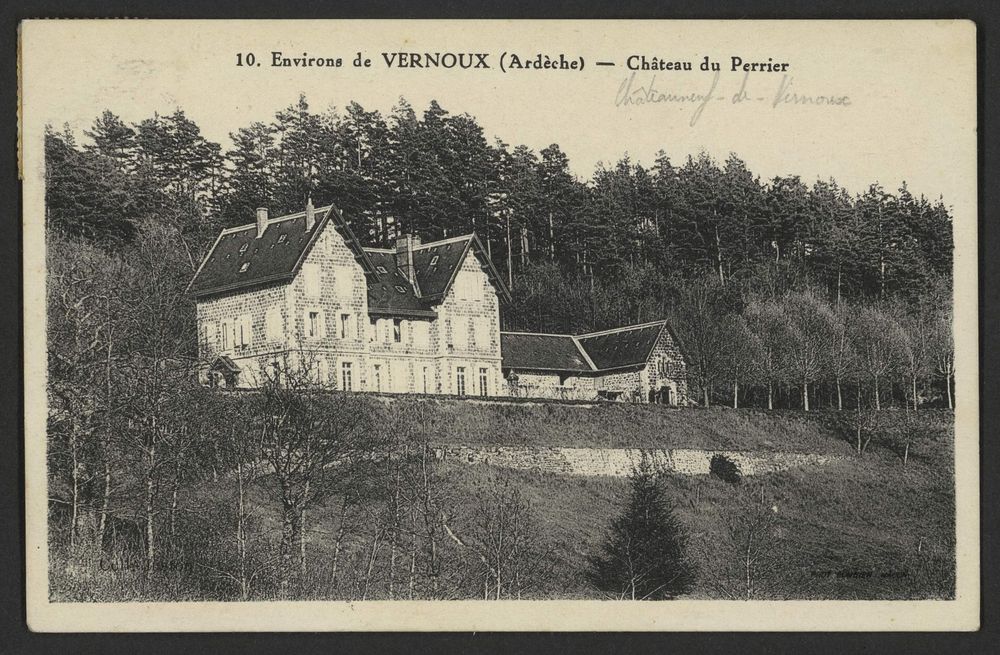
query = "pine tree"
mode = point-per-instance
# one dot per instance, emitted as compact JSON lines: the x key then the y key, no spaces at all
{"x":644,"y":556}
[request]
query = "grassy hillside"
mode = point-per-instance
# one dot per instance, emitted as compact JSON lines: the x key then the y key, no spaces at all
{"x":612,"y":425}
{"x":866,"y":527}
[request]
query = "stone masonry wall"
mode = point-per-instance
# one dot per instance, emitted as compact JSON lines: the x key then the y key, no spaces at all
{"x":459,"y":313}
{"x":621,"y":462}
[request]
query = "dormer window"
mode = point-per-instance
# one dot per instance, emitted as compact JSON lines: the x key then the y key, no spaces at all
{"x":434,"y":260}
{"x":244,"y":248}
{"x":282,"y":238}
{"x":400,"y":289}
{"x":244,"y":267}
{"x":381,"y":270}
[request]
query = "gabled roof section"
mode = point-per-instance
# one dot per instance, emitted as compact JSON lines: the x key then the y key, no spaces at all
{"x":595,"y":352}
{"x":239,"y":259}
{"x":542,"y":352}
{"x":622,"y":347}
{"x":437,"y":265}
{"x":391,"y":293}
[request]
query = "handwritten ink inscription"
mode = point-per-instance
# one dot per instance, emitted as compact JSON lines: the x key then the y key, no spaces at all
{"x":636,"y":92}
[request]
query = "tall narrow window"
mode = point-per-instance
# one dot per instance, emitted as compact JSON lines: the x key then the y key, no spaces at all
{"x":377,"y":375}
{"x":460,"y":381}
{"x":345,"y":326}
{"x":346,"y":377}
{"x":313,"y":325}
{"x":225,"y":335}
{"x":425,"y":379}
{"x":483,"y":382}
{"x":397,"y":330}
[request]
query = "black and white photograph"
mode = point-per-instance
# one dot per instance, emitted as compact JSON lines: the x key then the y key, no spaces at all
{"x":670,"y":325}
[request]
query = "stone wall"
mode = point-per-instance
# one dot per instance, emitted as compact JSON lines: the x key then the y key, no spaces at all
{"x":458,"y":313}
{"x":621,"y":462}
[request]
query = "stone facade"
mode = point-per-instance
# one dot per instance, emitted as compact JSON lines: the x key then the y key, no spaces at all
{"x":320,"y":322}
{"x":664,"y":368}
{"x":621,"y":462}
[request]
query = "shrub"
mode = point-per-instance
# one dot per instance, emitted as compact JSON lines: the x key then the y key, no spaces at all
{"x":725,"y":469}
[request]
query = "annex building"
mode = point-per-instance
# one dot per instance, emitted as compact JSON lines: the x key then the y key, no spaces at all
{"x":299,"y":293}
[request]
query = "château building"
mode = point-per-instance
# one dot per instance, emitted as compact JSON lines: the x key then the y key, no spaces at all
{"x":300,"y":293}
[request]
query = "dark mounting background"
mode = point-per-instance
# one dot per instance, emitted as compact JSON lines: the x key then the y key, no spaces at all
{"x":15,"y":636}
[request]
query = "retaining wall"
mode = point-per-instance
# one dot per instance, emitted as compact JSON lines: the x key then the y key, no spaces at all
{"x":621,"y":462}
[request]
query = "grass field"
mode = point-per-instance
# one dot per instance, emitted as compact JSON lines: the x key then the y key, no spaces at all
{"x":618,"y":425}
{"x":862,"y":527}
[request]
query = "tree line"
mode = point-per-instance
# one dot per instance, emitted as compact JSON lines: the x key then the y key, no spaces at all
{"x":782,"y":295}
{"x":771,"y":283}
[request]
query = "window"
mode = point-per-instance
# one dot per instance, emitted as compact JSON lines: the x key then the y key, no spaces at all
{"x":381,"y":269}
{"x":397,"y":330}
{"x":226,"y":328}
{"x":273,"y":325}
{"x":400,"y":288}
{"x":483,"y":382}
{"x":434,"y":260}
{"x":274,"y":371}
{"x":311,"y":273}
{"x":282,"y":238}
{"x":210,"y":336}
{"x":243,"y":332}
{"x":346,"y":374}
{"x":313,"y":325}
{"x":377,"y":377}
{"x":345,"y":326}
{"x":244,"y":248}
{"x":244,"y":267}
{"x":424,"y":379}
{"x":460,"y":380}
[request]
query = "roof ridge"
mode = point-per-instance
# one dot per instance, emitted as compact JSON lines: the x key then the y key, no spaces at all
{"x":431,"y":244}
{"x":586,"y":355}
{"x":538,"y":334}
{"x":625,"y":328}
{"x":276,"y":219}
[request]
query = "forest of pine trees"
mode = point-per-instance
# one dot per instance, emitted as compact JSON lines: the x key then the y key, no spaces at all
{"x":771,"y":284}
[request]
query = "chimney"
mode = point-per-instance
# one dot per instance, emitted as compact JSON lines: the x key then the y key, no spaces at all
{"x":310,"y":214}
{"x":405,"y":243}
{"x":261,"y":221}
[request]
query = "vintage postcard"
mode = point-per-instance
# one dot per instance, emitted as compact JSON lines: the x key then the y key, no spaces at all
{"x":500,"y":325}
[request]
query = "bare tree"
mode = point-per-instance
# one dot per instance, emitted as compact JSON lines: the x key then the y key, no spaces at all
{"x":742,"y":351}
{"x":842,"y":359}
{"x":877,"y":338}
{"x":770,"y":326}
{"x":314,"y":441}
{"x":812,"y":328}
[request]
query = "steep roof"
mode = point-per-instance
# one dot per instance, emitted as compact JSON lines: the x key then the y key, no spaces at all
{"x":390,"y":292}
{"x":593,"y":352}
{"x":239,"y":259}
{"x":621,"y":347}
{"x":548,"y":352}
